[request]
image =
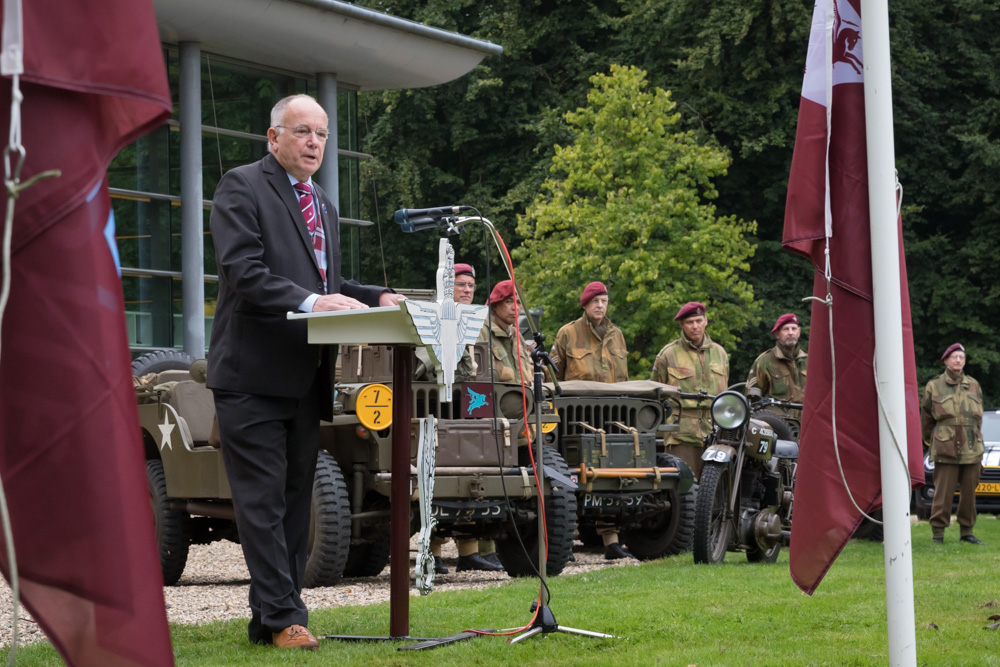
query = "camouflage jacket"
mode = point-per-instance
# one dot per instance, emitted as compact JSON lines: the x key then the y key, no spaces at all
{"x":778,"y":376}
{"x":581,"y":354}
{"x":502,"y":351}
{"x":705,"y":368}
{"x":951,"y":418}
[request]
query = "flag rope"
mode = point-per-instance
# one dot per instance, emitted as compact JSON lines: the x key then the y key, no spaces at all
{"x":13,"y":186}
{"x":11,"y":182}
{"x":827,"y":270}
{"x":881,"y":405}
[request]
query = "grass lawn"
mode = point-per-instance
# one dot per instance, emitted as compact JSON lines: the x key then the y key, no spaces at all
{"x":668,"y":612}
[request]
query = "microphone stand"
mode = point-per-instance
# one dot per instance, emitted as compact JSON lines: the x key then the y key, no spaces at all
{"x":545,"y":621}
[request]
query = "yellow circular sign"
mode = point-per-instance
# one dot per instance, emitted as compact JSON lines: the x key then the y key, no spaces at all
{"x":374,"y":407}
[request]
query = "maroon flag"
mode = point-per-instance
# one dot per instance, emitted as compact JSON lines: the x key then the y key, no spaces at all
{"x":71,"y":454}
{"x":828,"y":196}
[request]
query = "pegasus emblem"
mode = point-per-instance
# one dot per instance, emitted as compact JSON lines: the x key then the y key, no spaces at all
{"x":476,"y":400}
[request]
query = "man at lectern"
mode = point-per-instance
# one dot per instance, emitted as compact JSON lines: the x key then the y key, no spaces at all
{"x":278,"y":250}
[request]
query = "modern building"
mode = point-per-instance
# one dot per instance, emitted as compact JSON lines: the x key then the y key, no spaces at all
{"x":228,"y":63}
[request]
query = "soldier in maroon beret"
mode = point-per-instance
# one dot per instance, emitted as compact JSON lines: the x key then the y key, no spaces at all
{"x":499,"y":331}
{"x":593,"y":348}
{"x":693,"y":363}
{"x":465,"y":283}
{"x":781,"y":371}
{"x":951,"y":420}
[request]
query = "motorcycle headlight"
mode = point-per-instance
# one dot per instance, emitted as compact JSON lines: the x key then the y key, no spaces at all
{"x":730,"y":410}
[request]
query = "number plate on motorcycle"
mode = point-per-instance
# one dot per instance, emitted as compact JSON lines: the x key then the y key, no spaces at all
{"x":597,"y":501}
{"x":988,"y":488}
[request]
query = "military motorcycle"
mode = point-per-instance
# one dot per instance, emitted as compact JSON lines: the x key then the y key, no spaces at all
{"x":747,"y":482}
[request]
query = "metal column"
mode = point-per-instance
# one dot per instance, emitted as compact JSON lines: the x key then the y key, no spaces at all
{"x":328,"y":176}
{"x":192,"y":215}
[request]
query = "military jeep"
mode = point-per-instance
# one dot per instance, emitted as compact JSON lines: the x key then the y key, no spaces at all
{"x":479,"y":465}
{"x":188,"y":487}
{"x":609,"y":435}
{"x":483,"y":488}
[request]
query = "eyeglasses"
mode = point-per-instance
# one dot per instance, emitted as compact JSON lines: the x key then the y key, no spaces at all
{"x":304,"y":131}
{"x":464,"y":285}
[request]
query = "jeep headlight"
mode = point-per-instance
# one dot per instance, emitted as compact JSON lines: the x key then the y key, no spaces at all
{"x":730,"y":410}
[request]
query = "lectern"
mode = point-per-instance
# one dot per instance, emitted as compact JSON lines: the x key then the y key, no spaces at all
{"x":389,"y":325}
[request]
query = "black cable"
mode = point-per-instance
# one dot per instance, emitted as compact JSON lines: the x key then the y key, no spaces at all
{"x":496,"y":435}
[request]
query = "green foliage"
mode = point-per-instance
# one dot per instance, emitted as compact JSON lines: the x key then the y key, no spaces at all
{"x":484,"y":139}
{"x":734,"y":68}
{"x":630,"y":206}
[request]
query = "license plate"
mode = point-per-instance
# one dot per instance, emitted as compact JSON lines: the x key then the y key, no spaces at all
{"x":594,"y":501}
{"x":988,"y":488}
{"x":458,"y":513}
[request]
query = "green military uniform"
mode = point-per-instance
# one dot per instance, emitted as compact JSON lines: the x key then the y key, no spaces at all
{"x":778,"y":376}
{"x":951,"y":418}
{"x":502,"y":351}
{"x":692,"y":369}
{"x":598,"y":354}
{"x":781,"y":377}
{"x":585,"y":352}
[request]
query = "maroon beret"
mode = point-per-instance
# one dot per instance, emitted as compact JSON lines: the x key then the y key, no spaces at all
{"x":690,"y":309}
{"x":590,"y":291}
{"x":501,"y":291}
{"x":787,"y":318}
{"x":464,"y":268}
{"x":954,"y":347}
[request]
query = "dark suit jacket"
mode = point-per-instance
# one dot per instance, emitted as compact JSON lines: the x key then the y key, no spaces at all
{"x":267,"y":267}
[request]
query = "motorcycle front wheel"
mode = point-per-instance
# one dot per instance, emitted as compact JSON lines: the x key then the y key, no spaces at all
{"x":712,"y":526}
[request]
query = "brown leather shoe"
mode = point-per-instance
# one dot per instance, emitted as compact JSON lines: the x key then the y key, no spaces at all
{"x":295,"y":636}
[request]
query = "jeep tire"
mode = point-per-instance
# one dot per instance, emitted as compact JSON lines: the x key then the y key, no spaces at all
{"x":329,"y":525}
{"x":668,"y":533}
{"x":560,"y":521}
{"x":161,"y":360}
{"x":173,"y":527}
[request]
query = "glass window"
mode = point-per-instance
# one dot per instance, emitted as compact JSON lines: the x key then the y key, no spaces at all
{"x":235,"y":97}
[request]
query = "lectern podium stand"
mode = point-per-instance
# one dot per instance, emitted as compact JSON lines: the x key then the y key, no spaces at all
{"x":388,"y":325}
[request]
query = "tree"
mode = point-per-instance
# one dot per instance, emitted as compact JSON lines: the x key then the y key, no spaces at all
{"x":484,"y":139}
{"x":630,"y":207}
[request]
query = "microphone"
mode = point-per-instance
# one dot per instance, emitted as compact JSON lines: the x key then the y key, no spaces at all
{"x":416,"y":219}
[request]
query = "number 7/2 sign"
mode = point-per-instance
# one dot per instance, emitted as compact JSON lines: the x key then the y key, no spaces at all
{"x":374,"y":407}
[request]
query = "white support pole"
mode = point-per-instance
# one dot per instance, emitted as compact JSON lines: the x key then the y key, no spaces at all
{"x":888,"y":333}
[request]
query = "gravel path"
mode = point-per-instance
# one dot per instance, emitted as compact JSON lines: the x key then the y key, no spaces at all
{"x":216,"y":582}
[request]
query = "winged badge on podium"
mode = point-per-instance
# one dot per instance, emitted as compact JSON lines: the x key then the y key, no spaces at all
{"x":444,"y":326}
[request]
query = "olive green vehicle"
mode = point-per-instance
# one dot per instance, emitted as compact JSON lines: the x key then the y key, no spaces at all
{"x":484,"y":486}
{"x":611,"y":436}
{"x":483,"y":482}
{"x":188,"y":487}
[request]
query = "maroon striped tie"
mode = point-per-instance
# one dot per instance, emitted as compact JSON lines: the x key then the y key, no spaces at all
{"x":315,"y":230}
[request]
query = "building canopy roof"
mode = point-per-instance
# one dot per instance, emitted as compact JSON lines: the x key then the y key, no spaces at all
{"x":363,"y":48}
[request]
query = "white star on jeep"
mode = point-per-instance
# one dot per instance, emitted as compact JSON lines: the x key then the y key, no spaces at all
{"x":166,"y":428}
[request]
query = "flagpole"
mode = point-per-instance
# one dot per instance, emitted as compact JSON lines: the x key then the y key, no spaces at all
{"x":888,"y":334}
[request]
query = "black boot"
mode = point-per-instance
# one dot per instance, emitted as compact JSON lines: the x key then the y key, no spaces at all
{"x":972,"y":539}
{"x":493,"y":558}
{"x":476,"y":562}
{"x":439,"y":566}
{"x":615,"y":551}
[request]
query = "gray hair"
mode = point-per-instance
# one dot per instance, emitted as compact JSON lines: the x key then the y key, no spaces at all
{"x":278,"y":110}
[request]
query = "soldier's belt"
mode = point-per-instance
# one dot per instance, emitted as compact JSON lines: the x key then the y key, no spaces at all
{"x":957,"y":421}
